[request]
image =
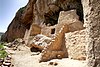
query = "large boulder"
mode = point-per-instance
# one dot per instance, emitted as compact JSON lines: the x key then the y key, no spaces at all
{"x":39,"y":42}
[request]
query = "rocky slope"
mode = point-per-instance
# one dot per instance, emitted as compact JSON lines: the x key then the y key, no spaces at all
{"x":1,"y":35}
{"x":39,"y":11}
{"x":16,"y":29}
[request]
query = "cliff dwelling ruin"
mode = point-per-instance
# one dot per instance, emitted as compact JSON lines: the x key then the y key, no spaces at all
{"x":53,"y":20}
{"x":53,"y":27}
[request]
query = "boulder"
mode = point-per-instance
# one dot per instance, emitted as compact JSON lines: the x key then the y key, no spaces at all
{"x":39,"y":42}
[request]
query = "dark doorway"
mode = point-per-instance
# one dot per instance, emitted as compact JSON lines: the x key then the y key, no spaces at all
{"x":53,"y":31}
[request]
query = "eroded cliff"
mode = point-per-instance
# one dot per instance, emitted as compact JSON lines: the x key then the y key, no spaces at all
{"x":39,"y":11}
{"x":15,"y":29}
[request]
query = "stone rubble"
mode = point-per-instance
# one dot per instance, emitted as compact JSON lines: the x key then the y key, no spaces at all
{"x":39,"y":42}
{"x":6,"y":62}
{"x":14,"y":45}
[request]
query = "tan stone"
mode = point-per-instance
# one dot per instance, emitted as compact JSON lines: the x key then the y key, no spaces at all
{"x":36,"y":47}
{"x":36,"y":29}
{"x":71,"y":19}
{"x":56,"y":49}
{"x":76,"y":44}
{"x":47,"y":30}
{"x":91,"y":10}
{"x":39,"y":42}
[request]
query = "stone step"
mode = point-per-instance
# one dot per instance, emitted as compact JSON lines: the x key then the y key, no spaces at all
{"x":8,"y":58}
{"x":7,"y":61}
{"x":6,"y":64}
{"x":1,"y":61}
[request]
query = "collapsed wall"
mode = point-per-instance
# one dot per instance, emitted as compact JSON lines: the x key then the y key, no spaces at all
{"x":57,"y":48}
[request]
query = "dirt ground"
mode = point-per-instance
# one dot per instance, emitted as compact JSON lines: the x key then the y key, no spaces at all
{"x":23,"y":57}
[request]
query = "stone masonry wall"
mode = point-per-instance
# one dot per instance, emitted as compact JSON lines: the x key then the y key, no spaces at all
{"x":75,"y":43}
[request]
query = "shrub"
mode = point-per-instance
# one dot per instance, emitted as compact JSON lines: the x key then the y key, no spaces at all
{"x":3,"y":53}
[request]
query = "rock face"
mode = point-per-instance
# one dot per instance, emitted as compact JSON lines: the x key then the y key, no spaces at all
{"x":39,"y":11}
{"x":36,"y":29}
{"x":16,"y":29}
{"x":76,"y":44}
{"x":47,"y":11}
{"x":92,"y":23}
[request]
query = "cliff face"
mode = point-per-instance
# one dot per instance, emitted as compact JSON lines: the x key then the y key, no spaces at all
{"x":39,"y":11}
{"x":16,"y":29}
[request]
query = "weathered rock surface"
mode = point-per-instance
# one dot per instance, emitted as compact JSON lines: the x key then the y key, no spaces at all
{"x":71,"y":19}
{"x":39,"y":11}
{"x":56,"y":49}
{"x":65,"y":17}
{"x":36,"y":29}
{"x":48,"y":12}
{"x":76,"y":44}
{"x":16,"y":29}
{"x":39,"y":42}
{"x":92,"y":23}
{"x":15,"y":44}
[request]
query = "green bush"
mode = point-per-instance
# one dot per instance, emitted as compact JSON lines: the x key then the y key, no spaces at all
{"x":3,"y":53}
